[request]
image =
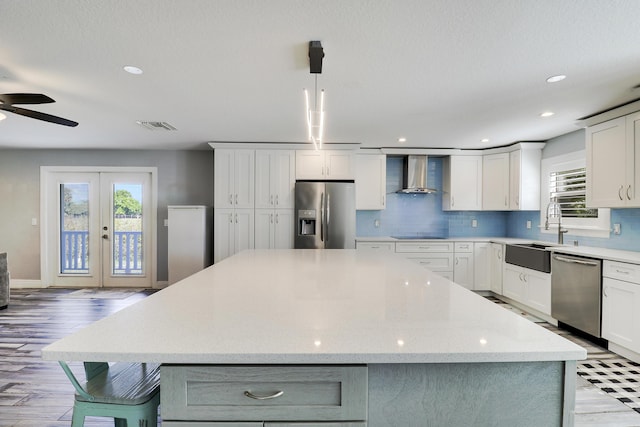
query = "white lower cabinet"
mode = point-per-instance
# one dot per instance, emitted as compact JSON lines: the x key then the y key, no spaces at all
{"x":621,"y":304}
{"x":284,"y":395}
{"x":481,"y":266}
{"x":233,"y":232}
{"x":463,"y":264}
{"x":436,"y":256}
{"x":274,"y":229}
{"x":497,"y":251}
{"x":529,"y":287}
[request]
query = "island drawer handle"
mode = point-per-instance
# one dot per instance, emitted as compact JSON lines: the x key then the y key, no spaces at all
{"x":270,"y":396}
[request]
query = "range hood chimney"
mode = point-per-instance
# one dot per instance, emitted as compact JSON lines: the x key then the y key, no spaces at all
{"x":414,"y":175}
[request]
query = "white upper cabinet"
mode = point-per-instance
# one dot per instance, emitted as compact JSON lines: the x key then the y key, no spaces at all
{"x":495,"y":182}
{"x":613,"y":153}
{"x":325,"y":164}
{"x":371,"y":181}
{"x":524,"y":180}
{"x":275,"y":179}
{"x":462,"y":183}
{"x":234,"y":178}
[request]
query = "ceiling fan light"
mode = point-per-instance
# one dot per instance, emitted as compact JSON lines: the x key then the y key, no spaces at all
{"x":557,"y":78}
{"x":132,"y":69}
{"x":547,"y":114}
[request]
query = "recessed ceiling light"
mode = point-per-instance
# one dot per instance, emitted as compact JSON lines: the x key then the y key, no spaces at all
{"x":484,"y":140}
{"x":132,"y":70}
{"x":2,"y":117}
{"x":402,"y":139}
{"x":547,"y":114}
{"x":555,"y":79}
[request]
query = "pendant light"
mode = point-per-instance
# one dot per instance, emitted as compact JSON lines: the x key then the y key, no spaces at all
{"x":315,"y":116}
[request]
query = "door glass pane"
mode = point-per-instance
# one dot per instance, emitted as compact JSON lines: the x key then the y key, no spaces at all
{"x":127,"y":230}
{"x":74,"y":228}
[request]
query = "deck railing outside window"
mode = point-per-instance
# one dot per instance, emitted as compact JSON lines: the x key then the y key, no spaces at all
{"x":127,"y":252}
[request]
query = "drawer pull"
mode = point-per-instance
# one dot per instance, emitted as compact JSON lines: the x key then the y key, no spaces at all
{"x":621,"y":271}
{"x":267,"y":397}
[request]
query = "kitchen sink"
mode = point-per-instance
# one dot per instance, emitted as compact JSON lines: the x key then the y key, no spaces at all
{"x":529,"y":255}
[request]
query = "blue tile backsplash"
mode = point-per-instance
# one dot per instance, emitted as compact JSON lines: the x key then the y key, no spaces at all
{"x":419,"y":214}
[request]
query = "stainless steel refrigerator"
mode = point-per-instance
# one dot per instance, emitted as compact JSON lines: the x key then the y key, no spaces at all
{"x":325,"y":215}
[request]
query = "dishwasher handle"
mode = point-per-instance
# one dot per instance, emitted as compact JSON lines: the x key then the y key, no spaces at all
{"x":575,"y":261}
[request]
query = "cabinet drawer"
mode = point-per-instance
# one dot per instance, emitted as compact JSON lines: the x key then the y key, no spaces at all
{"x":427,"y":246}
{"x":434,"y":262}
{"x":263,"y":393}
{"x":621,"y":271}
{"x":210,"y":424}
{"x":376,"y":246}
{"x":463,"y":247}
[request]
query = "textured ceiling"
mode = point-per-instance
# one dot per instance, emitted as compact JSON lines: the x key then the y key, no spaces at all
{"x":444,"y":73}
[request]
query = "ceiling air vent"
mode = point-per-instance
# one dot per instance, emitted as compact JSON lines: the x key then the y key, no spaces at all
{"x":156,"y":125}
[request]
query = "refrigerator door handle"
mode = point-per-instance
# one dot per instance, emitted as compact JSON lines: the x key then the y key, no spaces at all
{"x":322,"y":217}
{"x":328,"y":216}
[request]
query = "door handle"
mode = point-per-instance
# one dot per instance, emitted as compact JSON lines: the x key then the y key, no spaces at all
{"x":604,"y":291}
{"x":575,"y":261}
{"x":322,"y":217}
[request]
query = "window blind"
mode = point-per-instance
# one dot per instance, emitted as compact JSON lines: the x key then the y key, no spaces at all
{"x":569,"y":189}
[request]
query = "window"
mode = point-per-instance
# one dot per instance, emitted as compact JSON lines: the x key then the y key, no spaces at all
{"x":569,"y":189}
{"x":564,"y":177}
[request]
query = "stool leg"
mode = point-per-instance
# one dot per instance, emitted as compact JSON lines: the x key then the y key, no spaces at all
{"x":77,"y":419}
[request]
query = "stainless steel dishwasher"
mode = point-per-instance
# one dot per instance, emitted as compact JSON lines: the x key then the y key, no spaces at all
{"x":576,"y":292}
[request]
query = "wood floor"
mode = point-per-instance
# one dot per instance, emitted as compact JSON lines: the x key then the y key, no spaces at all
{"x":36,"y":393}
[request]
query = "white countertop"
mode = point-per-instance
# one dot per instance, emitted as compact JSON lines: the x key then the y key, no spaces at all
{"x":314,"y":306}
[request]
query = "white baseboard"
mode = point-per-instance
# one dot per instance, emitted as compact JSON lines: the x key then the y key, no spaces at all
{"x":624,"y":352}
{"x":22,"y":283}
{"x":161,"y":284}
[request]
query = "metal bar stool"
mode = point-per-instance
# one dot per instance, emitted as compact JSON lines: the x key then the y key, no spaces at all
{"x":129,"y":393}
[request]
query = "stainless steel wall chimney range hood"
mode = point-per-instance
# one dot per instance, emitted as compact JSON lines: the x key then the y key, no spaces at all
{"x":414,"y":175}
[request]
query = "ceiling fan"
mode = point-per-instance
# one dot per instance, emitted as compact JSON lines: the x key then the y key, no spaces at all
{"x":8,"y":100}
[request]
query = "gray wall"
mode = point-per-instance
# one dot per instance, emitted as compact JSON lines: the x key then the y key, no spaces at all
{"x":564,"y":144}
{"x":184,"y":178}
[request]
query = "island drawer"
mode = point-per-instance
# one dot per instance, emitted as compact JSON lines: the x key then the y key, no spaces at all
{"x":433,"y":262}
{"x":429,"y":246}
{"x":377,"y":246}
{"x":621,"y":271}
{"x":263,"y":393}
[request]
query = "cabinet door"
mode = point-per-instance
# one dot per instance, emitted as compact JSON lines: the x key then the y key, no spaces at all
{"x":514,"y":180}
{"x":464,"y":181}
{"x":223,"y":234}
{"x":633,"y":137}
{"x":283,"y":178}
{"x":283,"y":231}
{"x":243,"y":230}
{"x":371,"y":181}
{"x":608,"y":158}
{"x":310,"y":164}
{"x":264,"y":196}
{"x":513,"y":283}
{"x":482,"y":266}
{"x":497,"y":250}
{"x":244,"y":176}
{"x":537,"y":290}
{"x":223,"y":181}
{"x":264,"y":219}
{"x":495,"y":182}
{"x":339,"y":164}
{"x":463,"y":270}
{"x":620,"y":302}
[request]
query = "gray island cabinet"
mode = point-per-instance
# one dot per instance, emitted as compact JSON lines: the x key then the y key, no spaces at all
{"x":335,"y":338}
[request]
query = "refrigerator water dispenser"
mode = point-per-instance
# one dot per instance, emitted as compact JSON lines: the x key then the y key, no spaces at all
{"x":307,"y":222}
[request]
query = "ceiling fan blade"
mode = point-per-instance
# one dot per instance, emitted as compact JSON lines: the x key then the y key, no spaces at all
{"x":25,"y":98}
{"x":38,"y":115}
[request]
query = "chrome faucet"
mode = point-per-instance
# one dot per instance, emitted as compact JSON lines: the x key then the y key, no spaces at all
{"x":555,"y":211}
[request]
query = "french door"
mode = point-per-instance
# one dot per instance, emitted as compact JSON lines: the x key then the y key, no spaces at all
{"x":98,"y":229}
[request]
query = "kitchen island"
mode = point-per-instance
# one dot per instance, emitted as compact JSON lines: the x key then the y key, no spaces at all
{"x":349,"y":337}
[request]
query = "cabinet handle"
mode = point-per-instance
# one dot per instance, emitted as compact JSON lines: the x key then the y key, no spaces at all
{"x":231,"y":218}
{"x":230,"y":199}
{"x":456,"y":261}
{"x":500,"y":254}
{"x":453,"y":202}
{"x":382,"y":200}
{"x":520,"y":275}
{"x":604,"y":292}
{"x":425,"y":262}
{"x":236,"y":199}
{"x":524,"y":278}
{"x":621,"y":271}
{"x":276,"y":200}
{"x":620,"y":192}
{"x":271,"y":218}
{"x":236,"y":218}
{"x":277,"y":218}
{"x":506,"y":203}
{"x":518,"y":201}
{"x":266,"y":397}
{"x":628,"y":196}
{"x":375,"y":247}
{"x":272,"y":199}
